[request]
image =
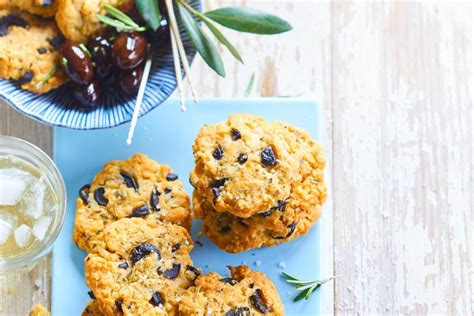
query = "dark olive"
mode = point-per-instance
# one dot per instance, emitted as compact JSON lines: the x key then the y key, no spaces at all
{"x":129,"y":50}
{"x":128,"y":7}
{"x":77,"y":63}
{"x":162,"y":34}
{"x":87,"y":95}
{"x":129,"y":81}
{"x":101,"y":49}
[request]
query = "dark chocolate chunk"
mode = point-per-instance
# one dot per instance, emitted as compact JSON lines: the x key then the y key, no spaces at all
{"x":229,"y":280}
{"x":258,"y":301}
{"x":129,"y":181}
{"x":156,"y":299}
{"x":175,"y":247}
{"x":173,"y":272}
{"x":27,"y":77}
{"x":279,"y":207}
{"x":268,"y":157}
{"x":235,"y":134}
{"x":118,"y":304}
{"x":91,"y":295}
{"x":219,"y":183}
{"x":239,"y":311}
{"x":84,"y":193}
{"x":155,"y":199}
{"x":292,"y":227}
{"x":224,"y":229}
{"x":218,"y":153}
{"x":143,"y":250}
{"x":171,"y":177}
{"x":167,"y":190}
{"x":242,"y":159}
{"x":11,"y":20}
{"x":140,"y":211}
{"x":42,"y":50}
{"x":57,"y":41}
{"x":193,"y":270}
{"x":99,"y":196}
{"x":123,"y":265}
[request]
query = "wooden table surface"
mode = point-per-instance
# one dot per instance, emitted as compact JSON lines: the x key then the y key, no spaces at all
{"x":395,"y":82}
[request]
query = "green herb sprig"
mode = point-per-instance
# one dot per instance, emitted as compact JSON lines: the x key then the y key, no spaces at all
{"x":306,"y":287}
{"x":119,"y":20}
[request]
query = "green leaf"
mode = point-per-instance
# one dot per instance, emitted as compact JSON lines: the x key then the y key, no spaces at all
{"x":249,"y":90}
{"x":201,"y":41}
{"x":150,"y":12}
{"x":47,"y":77}
{"x":289,"y":276}
{"x":119,"y":15}
{"x":249,"y":20}
{"x":118,"y":24}
{"x":300,"y":296}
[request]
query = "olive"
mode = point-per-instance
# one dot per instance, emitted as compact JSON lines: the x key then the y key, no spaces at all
{"x":162,"y":34}
{"x":77,"y":63}
{"x":129,"y":50}
{"x":87,"y":95}
{"x":129,"y":8}
{"x":129,"y":80}
{"x":100,"y":49}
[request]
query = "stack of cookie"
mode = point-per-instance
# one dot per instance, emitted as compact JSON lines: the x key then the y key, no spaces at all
{"x":133,"y":220}
{"x":256,"y":183}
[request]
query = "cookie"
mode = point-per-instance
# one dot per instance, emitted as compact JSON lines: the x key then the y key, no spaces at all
{"x":144,"y":269}
{"x":286,"y":220}
{"x":39,"y":310}
{"x":45,"y":8}
{"x":77,"y":19}
{"x":245,"y":164}
{"x":92,"y":309}
{"x":136,"y":187}
{"x":245,"y":292}
{"x":29,"y":50}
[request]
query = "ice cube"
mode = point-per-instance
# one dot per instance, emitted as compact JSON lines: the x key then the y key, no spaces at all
{"x":22,"y":235}
{"x":41,"y":227}
{"x":8,"y":223}
{"x":13,"y":183}
{"x":34,"y":199}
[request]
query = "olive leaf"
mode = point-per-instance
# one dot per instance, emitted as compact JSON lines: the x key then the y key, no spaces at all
{"x":150,"y":12}
{"x":249,"y":20}
{"x":218,"y":34}
{"x":306,"y":287}
{"x":201,"y":41}
{"x":119,"y":15}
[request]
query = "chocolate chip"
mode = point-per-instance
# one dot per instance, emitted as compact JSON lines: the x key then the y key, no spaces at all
{"x":229,"y":280}
{"x":99,"y":196}
{"x":84,"y":193}
{"x":199,"y":243}
{"x":240,"y":311}
{"x":118,"y":304}
{"x":224,"y":229}
{"x":218,"y":153}
{"x":235,"y":134}
{"x":219,"y":183}
{"x":292,"y":227}
{"x":242,"y":159}
{"x":91,"y":295}
{"x":171,"y":177}
{"x":42,"y":50}
{"x":123,"y":265}
{"x":57,"y":41}
{"x":156,"y":299}
{"x":155,"y":199}
{"x":257,"y":300}
{"x":279,"y":207}
{"x":27,"y":77}
{"x":129,"y":181}
{"x":167,"y":190}
{"x":268,"y":157}
{"x":143,"y":250}
{"x":193,"y":270}
{"x":173,"y":272}
{"x":175,"y":247}
{"x":140,"y":211}
{"x":11,"y":20}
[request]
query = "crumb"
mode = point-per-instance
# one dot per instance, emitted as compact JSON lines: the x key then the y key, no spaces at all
{"x":281,"y":265}
{"x":258,"y":262}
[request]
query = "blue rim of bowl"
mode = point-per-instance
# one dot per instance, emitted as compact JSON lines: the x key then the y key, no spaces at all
{"x":190,"y":53}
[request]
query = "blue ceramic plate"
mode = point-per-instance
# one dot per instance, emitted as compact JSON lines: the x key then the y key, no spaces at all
{"x":57,"y":107}
{"x":166,"y":135}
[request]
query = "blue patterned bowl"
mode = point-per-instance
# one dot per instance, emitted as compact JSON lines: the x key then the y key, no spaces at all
{"x":57,"y":107}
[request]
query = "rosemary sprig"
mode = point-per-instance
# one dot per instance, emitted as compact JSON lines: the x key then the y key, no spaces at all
{"x":306,"y":287}
{"x":119,"y":20}
{"x":47,"y":77}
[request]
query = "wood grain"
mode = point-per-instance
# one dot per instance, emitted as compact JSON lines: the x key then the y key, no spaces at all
{"x":395,"y":82}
